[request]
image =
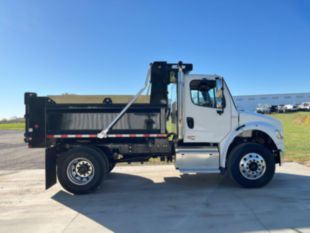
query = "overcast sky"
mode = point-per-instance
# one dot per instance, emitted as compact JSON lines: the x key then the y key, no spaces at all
{"x":104,"y":47}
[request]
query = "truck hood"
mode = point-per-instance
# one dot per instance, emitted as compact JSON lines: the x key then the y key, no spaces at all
{"x":246,"y":117}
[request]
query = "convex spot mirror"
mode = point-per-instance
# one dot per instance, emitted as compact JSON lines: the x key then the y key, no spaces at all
{"x":219,"y":95}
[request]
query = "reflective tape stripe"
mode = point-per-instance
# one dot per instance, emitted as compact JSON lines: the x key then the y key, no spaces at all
{"x":109,"y":135}
{"x":71,"y":135}
{"x":137,"y":135}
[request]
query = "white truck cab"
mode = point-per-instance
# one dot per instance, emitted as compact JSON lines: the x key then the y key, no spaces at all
{"x":252,"y":143}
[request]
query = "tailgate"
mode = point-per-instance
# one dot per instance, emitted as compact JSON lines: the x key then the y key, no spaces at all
{"x":35,"y":120}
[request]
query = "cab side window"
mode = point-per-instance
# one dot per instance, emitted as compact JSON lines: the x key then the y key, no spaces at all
{"x":203,"y":93}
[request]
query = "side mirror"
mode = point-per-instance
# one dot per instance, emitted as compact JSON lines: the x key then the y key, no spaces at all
{"x":219,"y":95}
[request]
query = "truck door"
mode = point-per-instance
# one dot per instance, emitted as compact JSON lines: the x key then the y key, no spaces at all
{"x":202,"y":121}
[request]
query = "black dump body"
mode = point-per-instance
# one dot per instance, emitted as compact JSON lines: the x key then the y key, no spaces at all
{"x":137,"y":136}
{"x":141,"y":131}
{"x":47,"y":122}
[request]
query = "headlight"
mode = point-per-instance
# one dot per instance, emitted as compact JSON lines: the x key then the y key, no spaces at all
{"x":279,"y":134}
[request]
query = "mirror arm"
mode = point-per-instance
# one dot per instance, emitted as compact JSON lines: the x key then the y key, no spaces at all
{"x":221,"y":111}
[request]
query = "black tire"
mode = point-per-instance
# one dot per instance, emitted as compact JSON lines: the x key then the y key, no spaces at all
{"x":93,"y":158}
{"x":235,"y":165}
{"x":104,"y":156}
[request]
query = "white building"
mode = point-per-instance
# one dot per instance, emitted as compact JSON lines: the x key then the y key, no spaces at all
{"x":249,"y":102}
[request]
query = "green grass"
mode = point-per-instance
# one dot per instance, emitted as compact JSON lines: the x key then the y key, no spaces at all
{"x":20,"y":126}
{"x":296,"y":136}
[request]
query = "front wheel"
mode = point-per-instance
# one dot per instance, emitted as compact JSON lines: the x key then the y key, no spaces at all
{"x":251,"y":165}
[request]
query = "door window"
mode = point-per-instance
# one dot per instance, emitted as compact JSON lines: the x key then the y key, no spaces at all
{"x":203,"y":93}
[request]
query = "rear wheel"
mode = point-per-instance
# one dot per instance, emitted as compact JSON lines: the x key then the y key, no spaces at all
{"x":251,"y":165}
{"x":81,"y":169}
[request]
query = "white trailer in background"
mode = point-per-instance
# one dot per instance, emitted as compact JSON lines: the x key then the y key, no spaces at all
{"x":249,"y":103}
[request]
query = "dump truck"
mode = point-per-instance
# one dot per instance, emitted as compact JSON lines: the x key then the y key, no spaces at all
{"x":188,"y":119}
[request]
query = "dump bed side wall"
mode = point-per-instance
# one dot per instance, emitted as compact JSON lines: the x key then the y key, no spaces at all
{"x":45,"y":118}
{"x":72,"y":119}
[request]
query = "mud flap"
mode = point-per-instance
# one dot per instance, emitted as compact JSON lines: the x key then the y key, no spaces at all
{"x":50,"y":167}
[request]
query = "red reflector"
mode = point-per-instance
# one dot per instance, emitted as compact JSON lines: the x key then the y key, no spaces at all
{"x":36,"y":126}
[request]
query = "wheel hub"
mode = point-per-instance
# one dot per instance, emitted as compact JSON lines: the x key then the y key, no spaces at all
{"x":83,"y":168}
{"x":252,"y":166}
{"x":80,"y":171}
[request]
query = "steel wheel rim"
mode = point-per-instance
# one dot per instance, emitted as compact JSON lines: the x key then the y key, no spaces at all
{"x":80,"y":171}
{"x":252,"y":166}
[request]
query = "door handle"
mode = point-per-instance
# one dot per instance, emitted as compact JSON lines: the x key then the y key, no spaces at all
{"x":190,"y":122}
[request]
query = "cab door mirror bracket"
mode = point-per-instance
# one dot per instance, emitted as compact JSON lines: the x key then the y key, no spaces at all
{"x":219,"y":95}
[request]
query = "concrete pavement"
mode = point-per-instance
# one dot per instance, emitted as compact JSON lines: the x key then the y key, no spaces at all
{"x":14,"y":154}
{"x":157,"y":199}
{"x":146,"y":199}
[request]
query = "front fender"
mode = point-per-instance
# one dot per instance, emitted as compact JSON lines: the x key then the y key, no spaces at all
{"x":265,"y":127}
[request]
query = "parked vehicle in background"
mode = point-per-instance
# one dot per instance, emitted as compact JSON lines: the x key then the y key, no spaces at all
{"x":280,"y":108}
{"x":273,"y":108}
{"x":295,"y":107}
{"x":263,"y":108}
{"x":305,"y":106}
{"x":289,"y":108}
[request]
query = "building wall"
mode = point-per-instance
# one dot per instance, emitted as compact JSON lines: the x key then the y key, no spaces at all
{"x":249,"y":102}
